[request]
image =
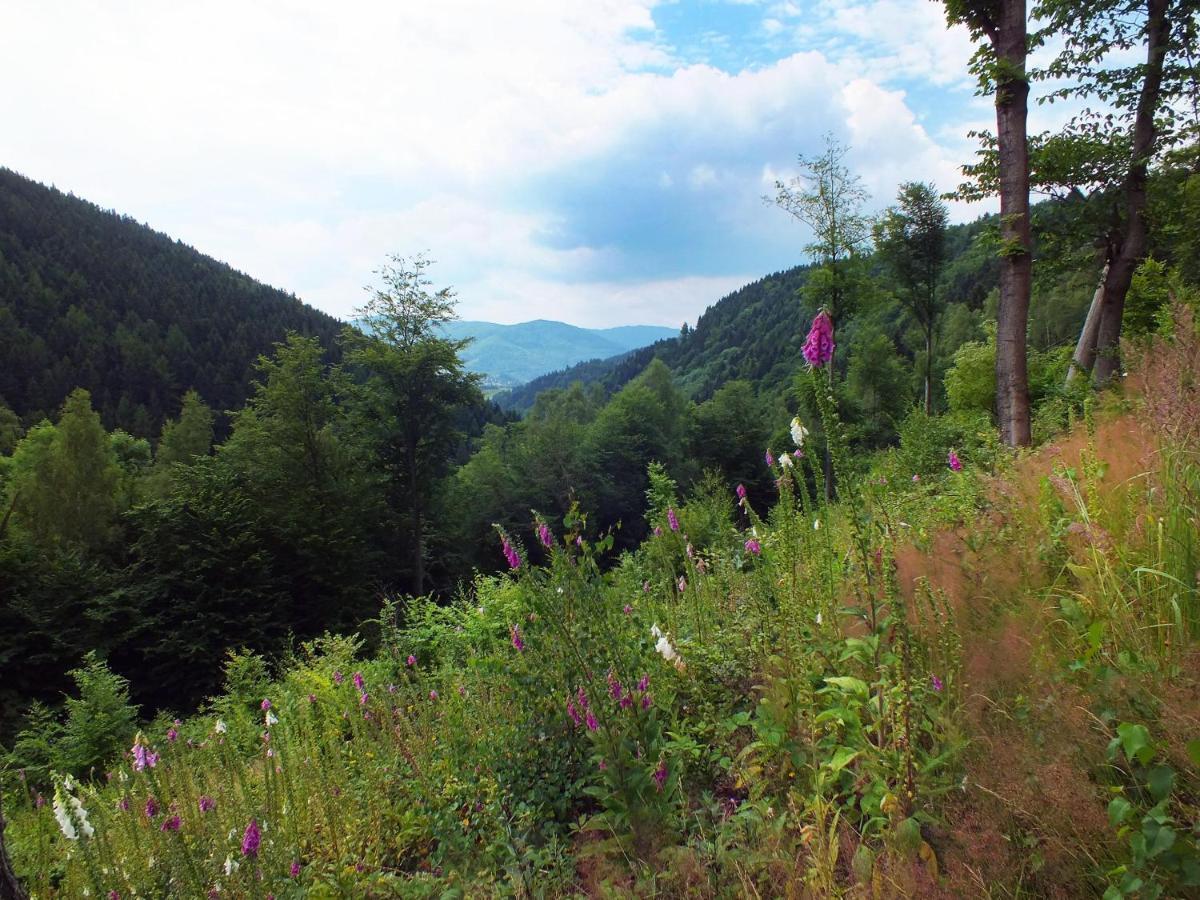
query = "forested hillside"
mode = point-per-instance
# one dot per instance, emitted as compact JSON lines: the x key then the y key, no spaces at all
{"x":93,"y":299}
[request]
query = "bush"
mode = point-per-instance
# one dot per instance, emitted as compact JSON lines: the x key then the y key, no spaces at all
{"x":100,"y":722}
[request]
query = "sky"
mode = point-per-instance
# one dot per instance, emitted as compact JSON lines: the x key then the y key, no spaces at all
{"x":599,"y":162}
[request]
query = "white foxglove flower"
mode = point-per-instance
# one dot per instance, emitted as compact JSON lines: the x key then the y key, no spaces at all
{"x":785,"y":461}
{"x":220,"y":727}
{"x":799,"y":432}
{"x":819,"y":619}
{"x":64,"y":818}
{"x":271,"y":718}
{"x":655,"y":631}
{"x":816,"y":524}
{"x":665,"y":649}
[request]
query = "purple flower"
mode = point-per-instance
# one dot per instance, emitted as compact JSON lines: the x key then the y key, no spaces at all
{"x":916,"y":478}
{"x":643,"y":683}
{"x":657,"y":531}
{"x":518,"y":644}
{"x":682,"y":584}
{"x":602,"y":766}
{"x":122,"y":804}
{"x":819,"y":346}
{"x":954,"y":462}
{"x":627,"y":609}
{"x":672,"y":519}
{"x":660,"y":774}
{"x":590,"y":720}
{"x":741,"y":492}
{"x":391,"y":689}
{"x":543,"y":533}
{"x":769,"y":457}
{"x":510,"y":553}
{"x":645,"y":587}
{"x":312,"y":698}
{"x":626,"y":701}
{"x":753,"y":547}
{"x":143,"y":757}
{"x":114,"y":895}
{"x":294,"y":871}
{"x":936,"y":683}
{"x":338,"y":677}
{"x":433,"y":695}
{"x":251,"y":839}
{"x":646,"y":701}
{"x":207,"y":804}
{"x":412,"y":660}
{"x":266,"y":704}
{"x":151,"y":807}
{"x":363,"y":698}
{"x":171,"y":824}
{"x":614,"y":686}
{"x":172,"y":735}
{"x":579,"y":541}
{"x":358,"y":680}
{"x":573,"y":712}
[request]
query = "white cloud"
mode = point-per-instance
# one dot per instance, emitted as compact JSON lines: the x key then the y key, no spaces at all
{"x":302,"y":142}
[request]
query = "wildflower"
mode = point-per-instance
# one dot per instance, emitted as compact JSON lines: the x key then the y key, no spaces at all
{"x":769,"y":457}
{"x":151,"y":808}
{"x":294,"y":870}
{"x":603,"y":766}
{"x":412,"y":660}
{"x":741,"y":492}
{"x":916,"y":478}
{"x":358,"y":680}
{"x":363,"y":698}
{"x":819,"y":346}
{"x":220,"y":727}
{"x":69,"y":811}
{"x":544,"y":535}
{"x":338,"y":677}
{"x":626,"y":701}
{"x":590,"y":720}
{"x":172,"y":823}
{"x":682,"y":584}
{"x":143,"y":756}
{"x":645,"y":587}
{"x":114,"y":895}
{"x":816,"y":524}
{"x":799,"y":432}
{"x":665,"y":650}
{"x":122,"y":804}
{"x":41,"y":801}
{"x":172,"y":735}
{"x":672,"y":519}
{"x":646,"y":701}
{"x":798,"y":453}
{"x":207,"y":804}
{"x":251,"y":839}
{"x":691,"y":552}
{"x":655,"y":631}
{"x":266,"y":704}
{"x":753,"y":547}
{"x":271,"y":719}
{"x":230,"y":866}
{"x":820,"y":619}
{"x":657,"y":531}
{"x":433,"y":695}
{"x":643,"y":683}
{"x":660,"y":774}
{"x":785,"y":461}
{"x":579,"y":541}
{"x":614,"y":686}
{"x":936,"y":683}
{"x":518,"y":644}
{"x":627,"y":609}
{"x":954,"y":462}
{"x":573,"y":712}
{"x":510,"y":553}
{"x":312,"y":698}
{"x":391,"y":689}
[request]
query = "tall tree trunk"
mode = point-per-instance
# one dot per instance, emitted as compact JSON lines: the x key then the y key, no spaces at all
{"x":1133,"y":247}
{"x":10,"y":887}
{"x":418,"y":524}
{"x":1010,"y":43}
{"x":1085,"y":348}
{"x":929,"y":371}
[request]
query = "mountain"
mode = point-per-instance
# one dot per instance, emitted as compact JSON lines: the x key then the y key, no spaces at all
{"x":510,"y":355}
{"x":93,"y":299}
{"x":756,"y":332}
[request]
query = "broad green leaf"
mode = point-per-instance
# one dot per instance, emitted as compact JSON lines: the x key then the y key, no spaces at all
{"x":849,"y":684}
{"x":842,"y":758}
{"x":1118,"y":810}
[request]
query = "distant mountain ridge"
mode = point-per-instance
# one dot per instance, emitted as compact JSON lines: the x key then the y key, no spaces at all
{"x":93,"y":299}
{"x":511,"y":355}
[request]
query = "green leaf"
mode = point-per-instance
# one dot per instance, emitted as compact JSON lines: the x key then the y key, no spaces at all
{"x":1159,"y":838}
{"x":1135,"y":741}
{"x":1118,"y":810}
{"x":1160,"y":780}
{"x":1193,"y":752}
{"x":850,"y":685}
{"x":842,"y":758}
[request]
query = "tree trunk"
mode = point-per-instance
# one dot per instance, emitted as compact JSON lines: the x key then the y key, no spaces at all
{"x":929,"y":371}
{"x":1085,"y":348}
{"x":1012,"y":94}
{"x":10,"y":887}
{"x":1133,"y":247}
{"x":418,"y":524}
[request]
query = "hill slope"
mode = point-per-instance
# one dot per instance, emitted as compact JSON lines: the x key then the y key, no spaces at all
{"x":514,"y":354}
{"x":92,"y":299}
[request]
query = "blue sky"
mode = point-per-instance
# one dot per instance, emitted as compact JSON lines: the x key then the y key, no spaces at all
{"x":601,"y":162}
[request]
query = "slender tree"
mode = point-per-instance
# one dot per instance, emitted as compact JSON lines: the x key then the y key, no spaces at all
{"x":415,"y":384}
{"x":1000,"y":65}
{"x":911,"y":240}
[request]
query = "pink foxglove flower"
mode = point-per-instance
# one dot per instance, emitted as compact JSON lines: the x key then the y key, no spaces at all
{"x":769,"y":457}
{"x":819,"y":346}
{"x":543,"y":532}
{"x":741,"y":493}
{"x":412,"y":660}
{"x":251,"y":840}
{"x":954,"y":462}
{"x":672,"y":519}
{"x":207,"y":804}
{"x":660,"y":774}
{"x":936,"y":683}
{"x":753,"y":547}
{"x":517,"y":642}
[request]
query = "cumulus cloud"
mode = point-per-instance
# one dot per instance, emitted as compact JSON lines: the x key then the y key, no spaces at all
{"x":558,"y":158}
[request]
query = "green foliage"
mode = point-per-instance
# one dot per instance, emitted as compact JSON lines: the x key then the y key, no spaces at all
{"x":100,"y":722}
